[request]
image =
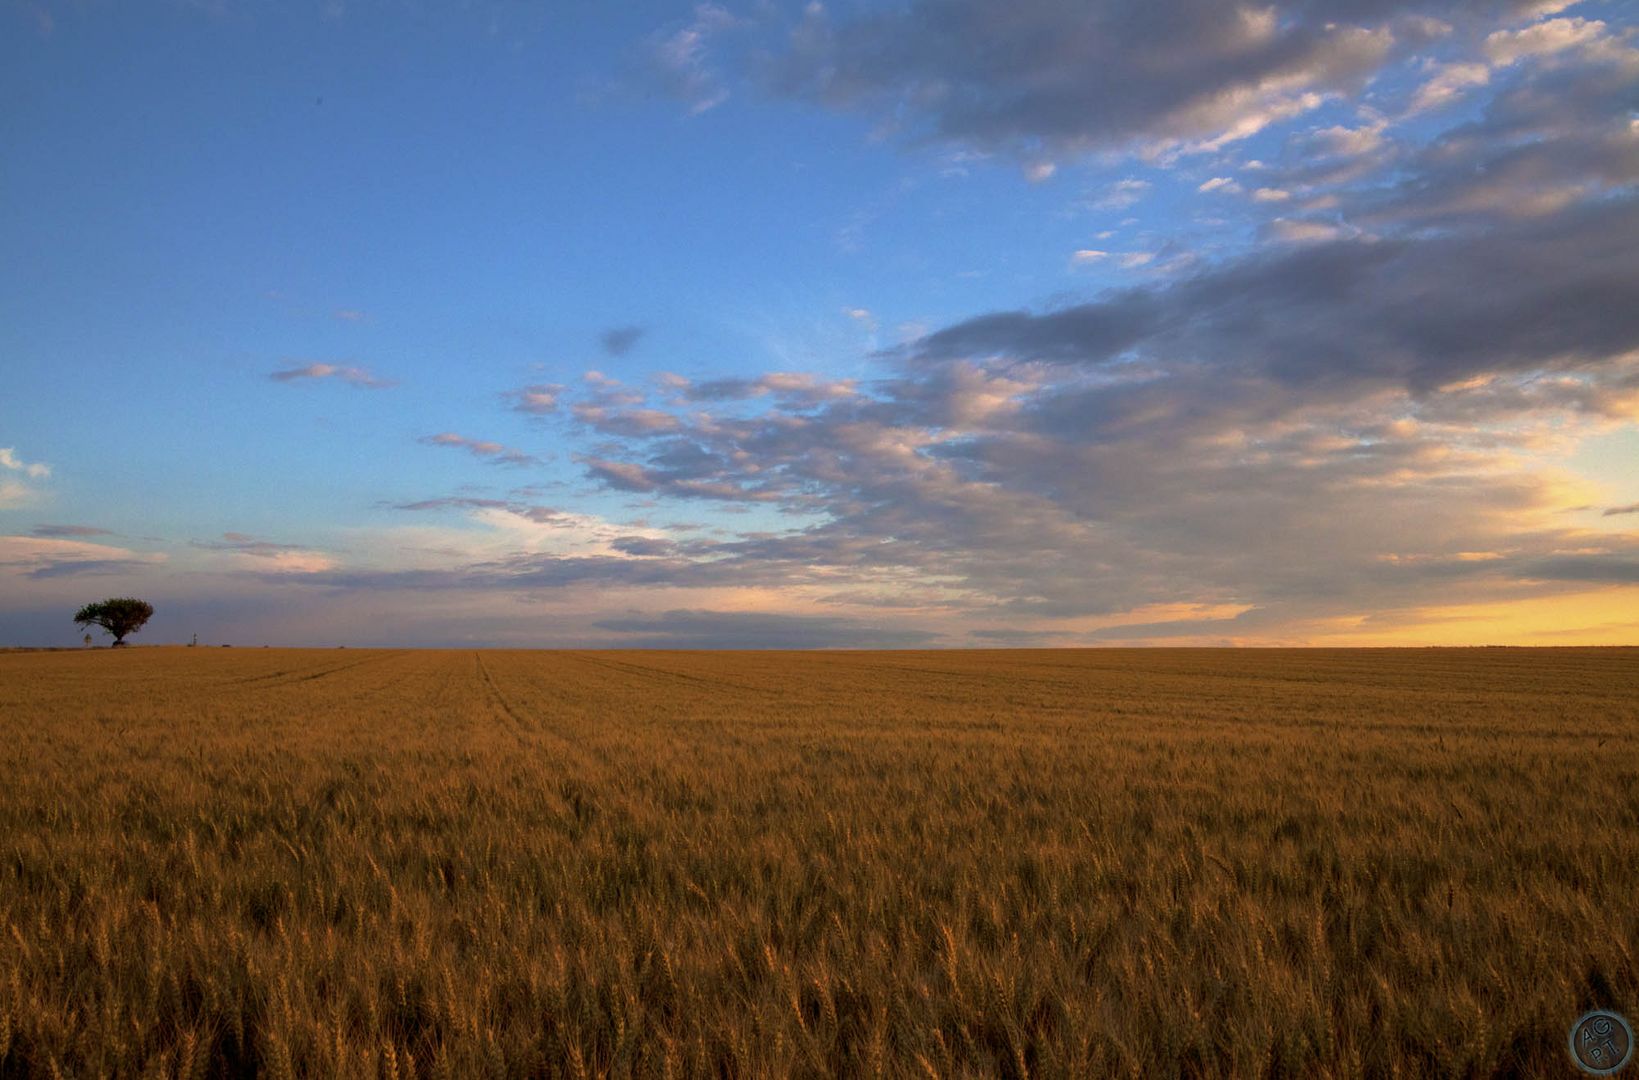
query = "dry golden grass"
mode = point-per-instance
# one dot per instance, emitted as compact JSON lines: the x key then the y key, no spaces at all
{"x":361,"y":863}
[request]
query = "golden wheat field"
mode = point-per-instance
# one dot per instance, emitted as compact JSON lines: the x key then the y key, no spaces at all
{"x":1014,"y":863}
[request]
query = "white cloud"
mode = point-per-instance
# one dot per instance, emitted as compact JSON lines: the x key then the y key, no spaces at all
{"x":1220,"y":183}
{"x":680,"y":66}
{"x":1556,"y":35}
{"x":1350,"y":142}
{"x":10,"y":460}
{"x":1294,"y":231}
{"x":1268,"y":195}
{"x":1121,"y":194}
{"x":1449,"y":82}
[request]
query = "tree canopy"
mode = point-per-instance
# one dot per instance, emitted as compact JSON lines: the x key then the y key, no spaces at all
{"x":119,"y":616}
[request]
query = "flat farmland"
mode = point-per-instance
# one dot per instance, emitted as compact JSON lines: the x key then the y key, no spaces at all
{"x":1008,"y":863}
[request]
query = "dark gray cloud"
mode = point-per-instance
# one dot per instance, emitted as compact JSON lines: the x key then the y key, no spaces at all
{"x":1345,"y":317}
{"x":618,"y":340}
{"x":1631,"y":508}
{"x":1048,"y":77}
{"x":1609,"y":569}
{"x":644,"y":545}
{"x":70,"y":532}
{"x":757,"y":630}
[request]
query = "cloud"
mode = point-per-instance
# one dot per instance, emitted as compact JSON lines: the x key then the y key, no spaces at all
{"x":284,"y":558}
{"x":791,"y":387}
{"x":541,"y":515}
{"x":1088,"y":256}
{"x":677,"y":64}
{"x":1121,"y":194}
{"x":1353,"y":313}
{"x":1295,"y":231}
{"x":618,"y":340}
{"x":1605,"y":569}
{"x":1258,"y":433}
{"x":1631,"y":508}
{"x":644,"y":546}
{"x":757,"y":630}
{"x":1046,"y":78}
{"x":1448,"y":83}
{"x":537,"y":399}
{"x":1549,"y":139}
{"x":1349,"y":142}
{"x":496,"y":453}
{"x":348,"y":315}
{"x":42,"y":558}
{"x":1543,"y":39}
{"x":353,"y":376}
{"x":10,"y":460}
{"x":15,"y":492}
{"x":1219,"y":183}
{"x":69,"y":532}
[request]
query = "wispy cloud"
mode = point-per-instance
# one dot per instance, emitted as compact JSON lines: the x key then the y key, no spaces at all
{"x":678,"y":64}
{"x":353,"y":376}
{"x":494,"y":452}
{"x":284,"y":558}
{"x":538,"y":514}
{"x":69,"y":532}
{"x":41,"y":558}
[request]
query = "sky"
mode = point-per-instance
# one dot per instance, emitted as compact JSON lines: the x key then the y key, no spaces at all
{"x":933,"y":324}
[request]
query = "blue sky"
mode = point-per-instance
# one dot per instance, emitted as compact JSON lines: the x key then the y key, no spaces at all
{"x":944,"y":323}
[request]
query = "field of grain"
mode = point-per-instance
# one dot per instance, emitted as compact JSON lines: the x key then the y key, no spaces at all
{"x":1013,"y":863}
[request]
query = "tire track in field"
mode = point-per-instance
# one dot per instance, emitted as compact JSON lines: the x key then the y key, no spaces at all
{"x":301,"y":675}
{"x":665,"y":676}
{"x":529,"y":732}
{"x":513,"y":720}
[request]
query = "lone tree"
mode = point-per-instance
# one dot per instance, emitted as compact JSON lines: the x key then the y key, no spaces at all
{"x":119,"y":616}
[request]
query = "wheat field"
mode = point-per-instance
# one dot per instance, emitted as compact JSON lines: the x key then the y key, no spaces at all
{"x":1010,"y":863}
